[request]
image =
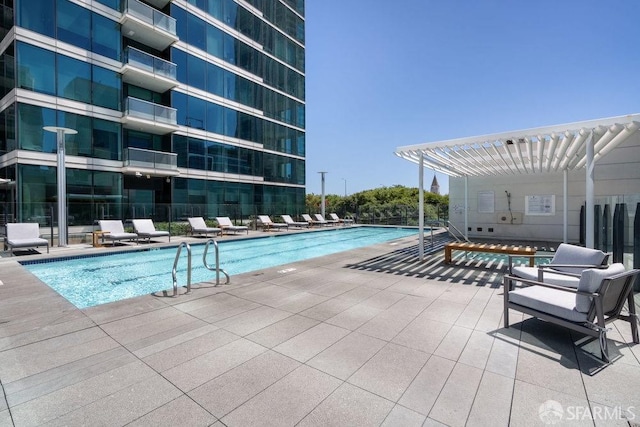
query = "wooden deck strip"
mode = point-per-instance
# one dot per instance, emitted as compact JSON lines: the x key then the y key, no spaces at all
{"x":490,"y":248}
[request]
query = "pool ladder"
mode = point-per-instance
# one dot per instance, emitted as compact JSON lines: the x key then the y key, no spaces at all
{"x":216,"y":268}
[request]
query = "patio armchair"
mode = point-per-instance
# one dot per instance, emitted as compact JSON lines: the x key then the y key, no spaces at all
{"x":599,"y":299}
{"x":564,"y":268}
{"x":24,"y":235}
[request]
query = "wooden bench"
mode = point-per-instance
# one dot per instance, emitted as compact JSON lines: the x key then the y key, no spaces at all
{"x":487,"y":247}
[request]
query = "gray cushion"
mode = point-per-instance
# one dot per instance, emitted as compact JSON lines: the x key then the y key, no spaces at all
{"x":531,"y":273}
{"x":577,"y":255}
{"x":591,"y":280}
{"x":557,"y":303}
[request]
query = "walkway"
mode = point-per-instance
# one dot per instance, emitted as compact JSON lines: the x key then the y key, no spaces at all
{"x":366,"y":337}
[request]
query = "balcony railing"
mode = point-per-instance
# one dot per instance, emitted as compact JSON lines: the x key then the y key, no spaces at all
{"x":149,"y":111}
{"x":149,"y":159}
{"x":150,"y":15}
{"x":147,"y":25}
{"x":150,"y":63}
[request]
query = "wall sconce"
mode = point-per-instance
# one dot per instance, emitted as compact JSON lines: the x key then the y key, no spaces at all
{"x":138,"y":174}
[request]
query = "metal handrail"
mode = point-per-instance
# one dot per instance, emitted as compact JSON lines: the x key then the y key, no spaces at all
{"x":174,"y":271}
{"x":453,"y":234}
{"x":217,"y":267}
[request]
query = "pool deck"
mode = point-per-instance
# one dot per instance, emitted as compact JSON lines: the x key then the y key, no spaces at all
{"x":365,"y":337}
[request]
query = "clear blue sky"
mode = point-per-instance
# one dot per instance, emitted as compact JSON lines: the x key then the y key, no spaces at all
{"x":382,"y":74}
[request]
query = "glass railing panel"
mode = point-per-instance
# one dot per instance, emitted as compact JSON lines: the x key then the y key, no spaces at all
{"x":151,"y":16}
{"x":150,"y":63}
{"x":150,"y":111}
{"x":150,"y":158}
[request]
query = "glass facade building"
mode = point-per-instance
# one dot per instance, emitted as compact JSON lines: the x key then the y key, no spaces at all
{"x":183,"y":108}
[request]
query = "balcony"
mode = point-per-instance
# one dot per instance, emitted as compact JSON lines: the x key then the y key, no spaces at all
{"x":148,"y":25}
{"x":149,"y":117}
{"x":149,"y":163}
{"x":148,"y":71}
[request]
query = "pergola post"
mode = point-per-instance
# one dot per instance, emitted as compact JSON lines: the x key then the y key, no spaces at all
{"x":466,"y":207}
{"x":421,"y":208}
{"x":589,"y":190}
{"x":565,"y":206}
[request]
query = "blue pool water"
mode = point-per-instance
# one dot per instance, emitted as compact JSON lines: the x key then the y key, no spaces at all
{"x":89,"y":281}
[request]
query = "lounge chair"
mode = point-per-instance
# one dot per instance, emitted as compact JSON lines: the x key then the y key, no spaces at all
{"x":267,"y":224}
{"x":599,"y":299}
{"x":146,"y":229}
{"x":320,"y":218}
{"x":291,"y":223}
{"x":312,"y":221}
{"x":198,"y":226}
{"x":113,"y":230}
{"x":226,"y":225}
{"x":344,"y":221}
{"x":24,"y":235}
{"x":565,"y":266}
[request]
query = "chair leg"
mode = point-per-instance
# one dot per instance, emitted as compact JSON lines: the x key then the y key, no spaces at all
{"x":634,"y":320}
{"x":604,"y":345}
{"x":506,"y":286}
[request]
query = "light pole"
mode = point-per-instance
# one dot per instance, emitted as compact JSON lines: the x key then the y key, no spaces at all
{"x":62,"y":181}
{"x":345,"y":187}
{"x":322,"y":174}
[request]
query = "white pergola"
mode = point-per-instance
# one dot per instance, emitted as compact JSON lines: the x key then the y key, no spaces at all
{"x":549,"y":149}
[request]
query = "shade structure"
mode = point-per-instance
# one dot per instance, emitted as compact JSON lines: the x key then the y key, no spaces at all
{"x":548,"y":149}
{"x":537,"y":150}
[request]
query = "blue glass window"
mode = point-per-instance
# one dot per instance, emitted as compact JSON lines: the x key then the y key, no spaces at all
{"x":196,"y":70}
{"x":31,"y":135}
{"x":196,"y":32}
{"x":106,"y":37}
{"x":106,"y":139}
{"x":35,"y":67}
{"x":215,"y":118}
{"x":179,"y":58}
{"x":179,"y":102}
{"x":215,"y":79}
{"x":38,"y":16}
{"x":215,"y":42}
{"x":74,"y":79}
{"x":113,"y":4}
{"x":107,"y":88}
{"x":197,"y":113}
{"x":74,"y":24}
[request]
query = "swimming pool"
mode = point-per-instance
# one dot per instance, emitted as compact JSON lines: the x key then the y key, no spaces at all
{"x":89,"y":281}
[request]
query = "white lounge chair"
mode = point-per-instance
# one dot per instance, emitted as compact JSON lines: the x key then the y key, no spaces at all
{"x":146,"y":229}
{"x":344,"y":221}
{"x":198,"y":226}
{"x":267,"y":224}
{"x":320,"y":218}
{"x":226,"y":225}
{"x":565,"y":267}
{"x":312,"y":221}
{"x":24,"y":235}
{"x":114,"y":230}
{"x":291,"y":223}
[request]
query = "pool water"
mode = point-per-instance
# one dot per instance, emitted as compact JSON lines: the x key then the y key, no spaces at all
{"x":90,"y":281}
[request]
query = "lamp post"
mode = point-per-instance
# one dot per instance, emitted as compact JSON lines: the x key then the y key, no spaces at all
{"x":345,"y":186}
{"x":322,"y":174}
{"x":62,"y":181}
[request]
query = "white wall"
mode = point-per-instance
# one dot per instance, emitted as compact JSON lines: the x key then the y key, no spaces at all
{"x":617,"y":178}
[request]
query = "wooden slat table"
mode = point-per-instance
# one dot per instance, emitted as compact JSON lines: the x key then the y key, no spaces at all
{"x":489,"y":248}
